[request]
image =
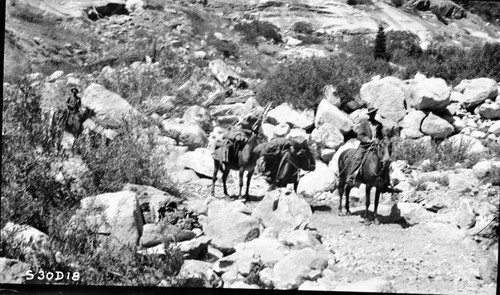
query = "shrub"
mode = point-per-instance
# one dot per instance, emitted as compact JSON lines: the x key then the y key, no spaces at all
{"x":359,"y":2}
{"x":379,"y":50}
{"x":440,"y":155}
{"x":29,"y":190}
{"x":299,"y":82}
{"x":302,"y":27}
{"x":308,"y":39}
{"x":226,"y":47}
{"x":255,"y":29}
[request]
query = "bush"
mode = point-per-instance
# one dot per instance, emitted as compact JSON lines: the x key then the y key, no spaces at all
{"x":440,"y":155}
{"x":302,"y":27}
{"x":227,"y":48}
{"x":29,"y":191}
{"x":255,"y":29}
{"x":308,"y":39}
{"x":299,"y":82}
{"x":359,"y":2}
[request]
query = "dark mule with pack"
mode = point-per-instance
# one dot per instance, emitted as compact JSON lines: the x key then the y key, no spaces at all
{"x":236,"y":152}
{"x":282,"y":160}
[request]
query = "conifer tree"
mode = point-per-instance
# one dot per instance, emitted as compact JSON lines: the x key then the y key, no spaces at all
{"x":379,"y":50}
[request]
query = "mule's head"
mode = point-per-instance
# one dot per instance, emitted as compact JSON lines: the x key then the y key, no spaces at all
{"x":306,"y":159}
{"x":385,"y":147}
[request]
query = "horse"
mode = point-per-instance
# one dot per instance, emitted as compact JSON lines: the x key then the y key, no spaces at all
{"x":287,"y":170}
{"x":374,"y":172}
{"x":62,"y":119}
{"x":244,"y":159}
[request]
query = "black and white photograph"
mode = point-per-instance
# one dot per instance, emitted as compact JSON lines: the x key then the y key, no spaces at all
{"x":241,"y":146}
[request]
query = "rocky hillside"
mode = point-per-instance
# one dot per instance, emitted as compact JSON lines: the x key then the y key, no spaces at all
{"x":129,"y":202}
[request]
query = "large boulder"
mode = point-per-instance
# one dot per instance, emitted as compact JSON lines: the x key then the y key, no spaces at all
{"x":13,"y":271}
{"x":284,"y":113}
{"x":25,"y":236}
{"x":328,"y":113}
{"x":114,"y":216}
{"x":470,"y":144}
{"x":282,"y":208}
{"x":485,"y":168}
{"x":110,"y":108}
{"x":387,"y":95}
{"x":436,"y":127}
{"x":490,"y":110}
{"x":476,"y":91}
{"x":225,"y":74}
{"x":198,"y":115}
{"x":316,"y":181}
{"x":294,"y":269}
{"x":269,"y":250}
{"x":327,"y":136}
{"x":193,"y":248}
{"x":411,"y":124}
{"x":197,"y":269}
{"x":228,"y":224}
{"x":432,"y":94}
{"x":199,"y":160}
{"x":462,"y":179}
{"x":162,"y":232}
{"x":411,"y":213}
{"x":191,"y":135}
{"x":329,"y":92}
{"x":465,"y":216}
{"x":495,"y":128}
{"x":157,"y":201}
{"x":300,"y":239}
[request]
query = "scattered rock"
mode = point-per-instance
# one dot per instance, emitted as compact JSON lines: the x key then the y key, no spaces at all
{"x":387,"y":95}
{"x":228,"y":224}
{"x":284,"y":113}
{"x":374,"y":285}
{"x":194,"y":247}
{"x":490,"y":110}
{"x":327,"y":136}
{"x":473,"y":145}
{"x":283,"y":209}
{"x":476,"y":91}
{"x":115,"y":216}
{"x":436,"y":127}
{"x":110,"y":108}
{"x":293,"y":270}
{"x":465,"y":217}
{"x":319,"y":180}
{"x":411,"y":124}
{"x":270,"y":250}
{"x":328,"y":113}
{"x":299,"y":239}
{"x":13,"y":271}
{"x":430,"y":94}
{"x":200,"y":160}
{"x":462,"y":179}
{"x":200,"y":269}
{"x":56,"y":75}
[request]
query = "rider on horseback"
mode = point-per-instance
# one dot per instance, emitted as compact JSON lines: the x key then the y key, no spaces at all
{"x":369,"y":132}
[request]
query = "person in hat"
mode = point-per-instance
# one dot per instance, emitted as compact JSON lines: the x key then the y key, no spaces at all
{"x":74,"y":102}
{"x":369,"y":132}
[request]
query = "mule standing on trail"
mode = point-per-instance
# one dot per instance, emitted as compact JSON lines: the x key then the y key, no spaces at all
{"x":372,"y":158}
{"x":282,"y":159}
{"x":237,"y":152}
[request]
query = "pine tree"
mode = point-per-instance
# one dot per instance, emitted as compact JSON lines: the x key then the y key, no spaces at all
{"x":380,"y":48}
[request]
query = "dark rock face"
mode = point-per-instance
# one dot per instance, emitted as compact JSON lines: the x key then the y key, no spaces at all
{"x":95,"y":13}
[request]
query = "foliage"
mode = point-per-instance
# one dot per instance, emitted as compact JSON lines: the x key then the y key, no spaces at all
{"x":436,"y":155}
{"x":29,"y":191}
{"x":226,"y":47}
{"x":251,"y":31}
{"x":359,"y":2}
{"x":397,"y":3}
{"x":402,"y":45}
{"x":302,"y":27}
{"x":299,"y":82}
{"x":379,"y":50}
{"x":308,"y":39}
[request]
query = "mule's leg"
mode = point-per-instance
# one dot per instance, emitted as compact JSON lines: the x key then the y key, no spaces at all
{"x":214,"y":177}
{"x":225,"y":173}
{"x":367,"y":197}
{"x":347,"y":192}
{"x":249,"y":178}
{"x":377,"y":198}
{"x":295,"y":185}
{"x":241,"y":173}
{"x":341,"y":193}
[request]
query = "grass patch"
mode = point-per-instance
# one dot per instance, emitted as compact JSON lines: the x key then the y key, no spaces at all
{"x":251,"y":31}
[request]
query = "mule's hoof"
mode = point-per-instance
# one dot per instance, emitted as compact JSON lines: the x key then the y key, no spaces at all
{"x":341,"y":213}
{"x":348,"y":212}
{"x":376,"y":221}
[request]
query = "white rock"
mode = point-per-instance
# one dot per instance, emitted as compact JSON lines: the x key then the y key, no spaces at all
{"x":431,"y":94}
{"x":284,"y":113}
{"x":328,"y":113}
{"x":436,"y":127}
{"x":316,"y":181}
{"x":327,"y":136}
{"x":56,"y":75}
{"x":387,"y":95}
{"x":495,"y":128}
{"x":476,"y":91}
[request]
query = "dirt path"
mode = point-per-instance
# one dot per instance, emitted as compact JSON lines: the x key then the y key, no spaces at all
{"x":424,"y":258}
{"x":432,"y":257}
